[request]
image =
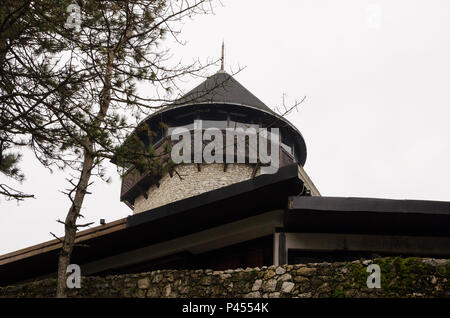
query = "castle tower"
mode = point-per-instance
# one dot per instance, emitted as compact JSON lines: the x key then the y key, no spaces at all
{"x":219,"y":216}
{"x":219,"y":102}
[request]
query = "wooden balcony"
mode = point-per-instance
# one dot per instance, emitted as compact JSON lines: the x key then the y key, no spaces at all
{"x":135,"y":183}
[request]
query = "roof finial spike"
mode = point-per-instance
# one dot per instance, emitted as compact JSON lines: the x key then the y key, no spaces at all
{"x":223,"y":57}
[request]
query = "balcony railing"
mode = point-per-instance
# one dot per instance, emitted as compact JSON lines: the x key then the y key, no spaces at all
{"x":135,"y":183}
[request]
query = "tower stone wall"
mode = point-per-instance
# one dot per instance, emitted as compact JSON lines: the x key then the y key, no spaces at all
{"x":189,"y":181}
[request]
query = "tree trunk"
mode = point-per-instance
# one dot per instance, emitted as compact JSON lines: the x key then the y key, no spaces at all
{"x":70,"y":226}
{"x":88,"y":165}
{"x":81,"y":188}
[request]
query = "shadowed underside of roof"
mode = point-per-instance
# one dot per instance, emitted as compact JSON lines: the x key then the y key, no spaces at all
{"x":221,"y":88}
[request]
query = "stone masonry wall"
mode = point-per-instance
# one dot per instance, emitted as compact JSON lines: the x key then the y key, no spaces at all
{"x":193,"y":182}
{"x":400,"y":277}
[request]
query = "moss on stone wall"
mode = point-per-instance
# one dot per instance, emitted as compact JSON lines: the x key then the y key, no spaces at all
{"x":400,"y":277}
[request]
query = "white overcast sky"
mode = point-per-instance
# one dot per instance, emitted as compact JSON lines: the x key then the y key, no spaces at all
{"x":376,"y":75}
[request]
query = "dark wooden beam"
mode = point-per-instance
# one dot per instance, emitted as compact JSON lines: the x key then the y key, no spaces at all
{"x":142,"y":191}
{"x":255,"y":169}
{"x":282,"y":251}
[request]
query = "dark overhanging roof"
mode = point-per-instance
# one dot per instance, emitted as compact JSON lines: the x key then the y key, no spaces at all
{"x":238,"y":201}
{"x":191,"y":215}
{"x":370,"y":204}
{"x":368,"y":216}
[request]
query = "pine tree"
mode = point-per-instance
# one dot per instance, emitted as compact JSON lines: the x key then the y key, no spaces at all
{"x":30,"y":79}
{"x":69,"y":91}
{"x":117,"y":47}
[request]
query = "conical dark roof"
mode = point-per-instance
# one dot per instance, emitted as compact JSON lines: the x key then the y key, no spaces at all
{"x":221,"y":88}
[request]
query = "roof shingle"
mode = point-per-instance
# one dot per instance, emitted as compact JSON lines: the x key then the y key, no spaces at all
{"x":221,"y":88}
